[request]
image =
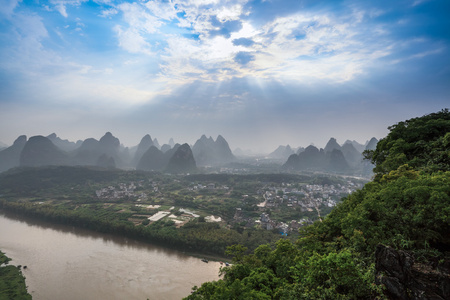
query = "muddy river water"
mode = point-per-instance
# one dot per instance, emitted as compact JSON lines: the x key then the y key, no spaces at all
{"x":68,"y":263}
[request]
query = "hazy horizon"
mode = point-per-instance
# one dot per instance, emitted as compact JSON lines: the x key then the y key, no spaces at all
{"x":259,"y":73}
{"x":191,"y":143}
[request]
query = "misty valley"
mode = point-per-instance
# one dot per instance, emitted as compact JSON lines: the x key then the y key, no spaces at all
{"x":206,"y":155}
{"x":199,"y":199}
{"x":294,"y":222}
{"x":224,"y":149}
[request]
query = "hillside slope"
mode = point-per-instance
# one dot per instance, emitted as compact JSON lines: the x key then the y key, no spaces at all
{"x":388,"y":240}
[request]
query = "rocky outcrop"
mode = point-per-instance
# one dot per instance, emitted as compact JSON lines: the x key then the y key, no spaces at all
{"x":156,"y":144}
{"x":335,"y":161}
{"x":152,"y":160}
{"x":165,"y":148}
{"x":109,"y":144}
{"x":171,"y":142}
{"x":333,"y":158}
{"x":64,"y":145}
{"x":40,"y":151}
{"x":87,"y":153}
{"x":106,"y":162}
{"x":405,"y":279}
{"x":282,"y":152}
{"x":352,"y":156}
{"x":90,"y":151}
{"x":372,"y":144}
{"x":332,"y":145}
{"x":209,"y":152}
{"x":359,"y":147}
{"x":182,"y":161}
{"x":10,"y":157}
{"x":144,"y":145}
{"x":310,"y":159}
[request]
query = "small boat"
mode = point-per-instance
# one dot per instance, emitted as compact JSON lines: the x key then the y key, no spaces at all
{"x":205,"y":260}
{"x":227,"y":264}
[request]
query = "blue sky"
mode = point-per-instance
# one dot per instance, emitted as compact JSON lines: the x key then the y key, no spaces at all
{"x":261,"y":73}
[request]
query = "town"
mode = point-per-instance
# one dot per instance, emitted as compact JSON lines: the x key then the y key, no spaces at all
{"x":282,"y":208}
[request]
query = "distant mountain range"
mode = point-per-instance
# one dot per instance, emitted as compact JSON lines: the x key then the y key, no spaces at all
{"x":209,"y":152}
{"x":345,"y":159}
{"x":148,"y":155}
{"x":3,"y":146}
{"x":10,"y":157}
{"x":109,"y":153}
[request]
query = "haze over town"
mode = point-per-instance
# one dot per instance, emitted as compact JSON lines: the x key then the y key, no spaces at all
{"x":260,"y":73}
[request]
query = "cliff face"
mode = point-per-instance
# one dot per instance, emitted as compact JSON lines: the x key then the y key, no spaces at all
{"x":407,"y":280}
{"x":152,"y":160}
{"x":40,"y":151}
{"x":206,"y":151}
{"x":182,"y":160}
{"x":144,"y":145}
{"x":10,"y":157}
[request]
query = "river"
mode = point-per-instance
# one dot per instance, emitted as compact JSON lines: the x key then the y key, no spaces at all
{"x":68,"y":263}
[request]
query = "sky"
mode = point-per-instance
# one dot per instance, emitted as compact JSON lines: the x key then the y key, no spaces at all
{"x":260,"y":73}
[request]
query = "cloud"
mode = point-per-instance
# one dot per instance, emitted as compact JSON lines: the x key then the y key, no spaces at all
{"x":224,"y":62}
{"x":244,"y":58}
{"x":61,"y":5}
{"x":224,"y":28}
{"x":301,"y":45}
{"x":132,"y":41}
{"x":162,"y":9}
{"x":243,"y":42}
{"x":108,"y":13}
{"x":7,"y":7}
{"x":139,"y":19}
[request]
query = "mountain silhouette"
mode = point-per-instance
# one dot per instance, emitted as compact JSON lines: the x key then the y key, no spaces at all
{"x":206,"y":151}
{"x":10,"y":157}
{"x":40,"y":151}
{"x":182,"y":161}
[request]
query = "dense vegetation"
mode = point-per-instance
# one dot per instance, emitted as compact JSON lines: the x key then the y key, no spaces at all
{"x":12,"y":282}
{"x":67,"y":195}
{"x":406,"y":206}
{"x":422,"y":143}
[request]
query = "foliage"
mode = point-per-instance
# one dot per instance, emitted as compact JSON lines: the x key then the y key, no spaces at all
{"x":406,"y":206}
{"x":422,"y":143}
{"x":12,"y":282}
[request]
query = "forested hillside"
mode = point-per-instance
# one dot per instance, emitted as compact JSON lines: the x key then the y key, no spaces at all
{"x":402,"y":216}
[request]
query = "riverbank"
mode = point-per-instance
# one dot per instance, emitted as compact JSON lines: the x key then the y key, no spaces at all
{"x":194,"y":237}
{"x":168,"y":237}
{"x":65,"y":262}
{"x":12,"y":281}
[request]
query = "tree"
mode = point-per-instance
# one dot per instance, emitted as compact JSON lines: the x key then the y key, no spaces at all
{"x":422,"y":143}
{"x":407,"y":206}
{"x":236,"y":251}
{"x":4,"y":260}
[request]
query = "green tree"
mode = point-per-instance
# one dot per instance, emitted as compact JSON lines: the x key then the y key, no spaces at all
{"x":407,"y":206}
{"x":422,"y":143}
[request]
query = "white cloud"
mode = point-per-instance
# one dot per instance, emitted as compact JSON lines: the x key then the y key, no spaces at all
{"x":229,"y":13}
{"x":162,"y":10}
{"x":7,"y":7}
{"x":138,"y":19}
{"x":108,"y":13}
{"x":62,"y":9}
{"x":60,"y":5}
{"x":132,"y":41}
{"x":299,"y":47}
